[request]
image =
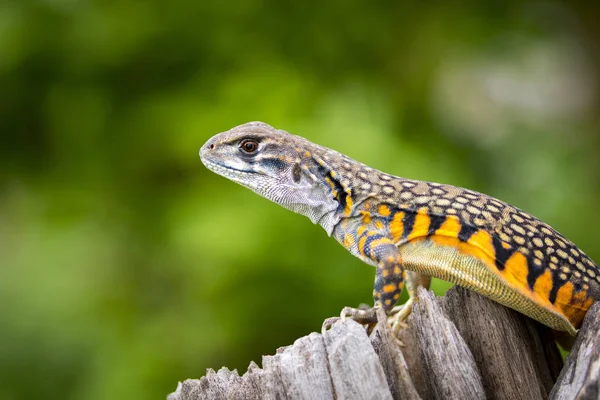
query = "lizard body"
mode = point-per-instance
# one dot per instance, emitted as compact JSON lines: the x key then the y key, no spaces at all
{"x":427,"y":229}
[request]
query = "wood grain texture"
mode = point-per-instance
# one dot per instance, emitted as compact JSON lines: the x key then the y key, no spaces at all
{"x":580,"y":378}
{"x":461,"y":345}
{"x":392,"y":360}
{"x":351,"y":355}
{"x":444,"y":353}
{"x":485,"y":327}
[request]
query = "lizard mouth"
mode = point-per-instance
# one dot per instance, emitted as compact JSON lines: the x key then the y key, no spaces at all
{"x":217,"y":166}
{"x":227,"y":170}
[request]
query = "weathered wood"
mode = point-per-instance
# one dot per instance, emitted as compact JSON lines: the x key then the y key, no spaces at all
{"x":293,"y":375}
{"x":410,"y":351}
{"x":497,"y":336}
{"x":580,"y":378}
{"x":461,"y":345}
{"x":314,"y":367}
{"x":355,"y":369}
{"x":394,"y":366}
{"x":445,"y":355}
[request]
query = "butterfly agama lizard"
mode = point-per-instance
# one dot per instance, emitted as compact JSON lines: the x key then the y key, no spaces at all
{"x":413,"y":230}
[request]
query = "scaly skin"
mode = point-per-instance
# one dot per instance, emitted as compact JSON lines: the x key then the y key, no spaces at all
{"x":429,"y":229}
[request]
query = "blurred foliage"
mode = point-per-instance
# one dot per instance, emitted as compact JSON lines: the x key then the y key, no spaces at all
{"x":127,"y":266}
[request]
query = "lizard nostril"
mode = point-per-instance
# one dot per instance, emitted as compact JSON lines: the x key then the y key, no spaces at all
{"x":212,"y":147}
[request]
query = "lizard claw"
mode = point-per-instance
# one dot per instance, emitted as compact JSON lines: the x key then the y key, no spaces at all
{"x":401,"y":314}
{"x":397,"y":325}
{"x":396,"y":310}
{"x":328,"y":323}
{"x":343,"y":314}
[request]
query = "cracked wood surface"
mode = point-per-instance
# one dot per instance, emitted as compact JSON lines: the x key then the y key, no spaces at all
{"x":461,"y":345}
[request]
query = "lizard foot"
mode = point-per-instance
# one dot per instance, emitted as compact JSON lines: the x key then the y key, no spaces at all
{"x":401,"y":313}
{"x":362,"y":316}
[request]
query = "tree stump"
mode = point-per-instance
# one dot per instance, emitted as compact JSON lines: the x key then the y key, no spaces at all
{"x":459,"y":346}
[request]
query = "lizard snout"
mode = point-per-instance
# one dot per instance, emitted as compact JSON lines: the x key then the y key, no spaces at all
{"x":206,"y":148}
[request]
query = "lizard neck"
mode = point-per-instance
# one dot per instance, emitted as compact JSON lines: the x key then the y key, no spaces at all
{"x":319,"y":206}
{"x":331,"y":188}
{"x":329,"y":221}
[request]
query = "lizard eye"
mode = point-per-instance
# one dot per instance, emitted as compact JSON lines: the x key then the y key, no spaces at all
{"x":249,"y":146}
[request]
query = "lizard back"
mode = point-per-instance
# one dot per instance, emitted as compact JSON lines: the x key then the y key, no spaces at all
{"x":461,"y":235}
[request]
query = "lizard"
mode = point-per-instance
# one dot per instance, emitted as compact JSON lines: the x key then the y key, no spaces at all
{"x":412,"y":230}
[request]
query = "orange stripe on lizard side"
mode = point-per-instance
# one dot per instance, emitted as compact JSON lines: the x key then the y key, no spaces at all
{"x":564,"y":297}
{"x":421,"y":225}
{"x":483,"y":241}
{"x":450,"y":227}
{"x":543,"y":285}
{"x":479,"y":244}
{"x":397,"y":226}
{"x":464,"y":248}
{"x":515,"y":273}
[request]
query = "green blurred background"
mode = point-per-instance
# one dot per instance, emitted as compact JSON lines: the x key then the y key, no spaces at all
{"x":127,"y":266}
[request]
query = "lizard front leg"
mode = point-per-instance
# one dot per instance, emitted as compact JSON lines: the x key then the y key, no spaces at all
{"x":389,"y":276}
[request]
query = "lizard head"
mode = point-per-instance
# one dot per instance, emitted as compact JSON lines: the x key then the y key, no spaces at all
{"x":270,"y":162}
